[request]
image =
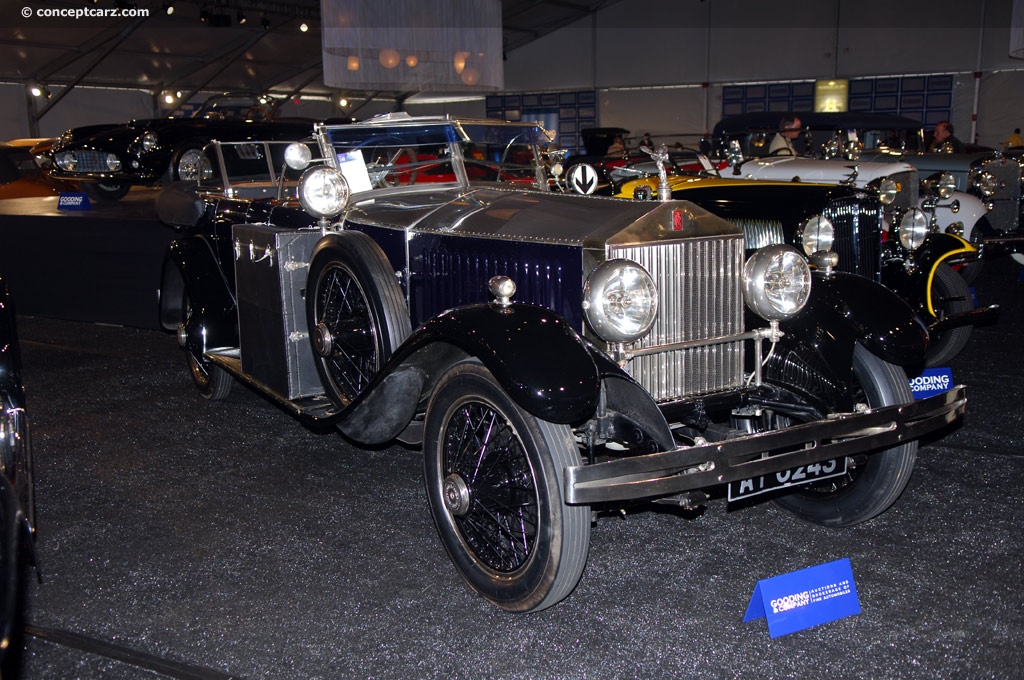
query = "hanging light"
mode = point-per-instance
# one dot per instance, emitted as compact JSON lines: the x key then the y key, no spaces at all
{"x":168,"y":7}
{"x":241,"y":18}
{"x":303,"y":27}
{"x":389,"y":57}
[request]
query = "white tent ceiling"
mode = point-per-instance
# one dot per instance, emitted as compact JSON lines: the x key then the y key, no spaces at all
{"x":179,"y":52}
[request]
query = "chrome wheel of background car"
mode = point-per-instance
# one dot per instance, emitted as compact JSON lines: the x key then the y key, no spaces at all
{"x":355,"y":312}
{"x":874,"y":482}
{"x":192,"y":165}
{"x":494,"y":481}
{"x":105,"y":191}
{"x":950,"y":295}
{"x":212,"y":381}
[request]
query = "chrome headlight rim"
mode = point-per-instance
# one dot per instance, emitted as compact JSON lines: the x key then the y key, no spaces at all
{"x":986,"y":183}
{"x":913,"y":228}
{"x":149,"y":141}
{"x":817,"y":233}
{"x":620,"y":301}
{"x":945,"y":185}
{"x":776,"y":282}
{"x":66,"y":161}
{"x":888,"y":190}
{"x":323,"y":192}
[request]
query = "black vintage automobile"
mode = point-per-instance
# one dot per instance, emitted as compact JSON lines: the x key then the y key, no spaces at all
{"x":991,"y":179}
{"x":910,"y":258}
{"x":108,"y":160}
{"x":551,"y":353}
{"x":17,"y":491}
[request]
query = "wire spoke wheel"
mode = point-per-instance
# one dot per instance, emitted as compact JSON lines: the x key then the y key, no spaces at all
{"x":355,"y":312}
{"x":347,"y":333}
{"x":494,"y":476}
{"x":482,"y":454}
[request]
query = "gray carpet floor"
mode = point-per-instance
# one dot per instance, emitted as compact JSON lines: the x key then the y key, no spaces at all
{"x":183,"y":538}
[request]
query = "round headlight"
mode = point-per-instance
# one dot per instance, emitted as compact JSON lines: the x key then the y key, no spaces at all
{"x":620,"y":301}
{"x":913,"y":229}
{"x":113,"y":162}
{"x":323,"y":192}
{"x":887,"y":191}
{"x":817,"y":233}
{"x":66,"y":161}
{"x":297,"y":156}
{"x":986,"y":183}
{"x":149,"y":141}
{"x":945,"y":185}
{"x":776,"y":282}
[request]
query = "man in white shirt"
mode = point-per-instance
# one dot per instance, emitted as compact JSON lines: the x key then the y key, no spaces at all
{"x":782,"y":143}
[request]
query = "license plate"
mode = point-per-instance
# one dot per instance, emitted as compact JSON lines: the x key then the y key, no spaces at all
{"x":803,"y":474}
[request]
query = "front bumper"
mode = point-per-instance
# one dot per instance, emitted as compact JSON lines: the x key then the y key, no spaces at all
{"x":701,"y":467}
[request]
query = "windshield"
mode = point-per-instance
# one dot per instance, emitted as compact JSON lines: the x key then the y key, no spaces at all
{"x":374,"y":155}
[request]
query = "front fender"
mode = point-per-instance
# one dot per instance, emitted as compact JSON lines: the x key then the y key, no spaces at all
{"x":845,"y":309}
{"x":914,"y":283}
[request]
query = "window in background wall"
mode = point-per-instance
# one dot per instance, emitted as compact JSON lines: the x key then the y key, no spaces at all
{"x":926,"y":98}
{"x":565,"y":113}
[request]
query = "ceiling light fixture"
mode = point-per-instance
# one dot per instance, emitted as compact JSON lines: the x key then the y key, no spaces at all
{"x":169,"y":8}
{"x":303,"y":27}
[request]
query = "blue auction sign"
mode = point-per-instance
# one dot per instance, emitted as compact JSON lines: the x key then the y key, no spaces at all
{"x":932,"y":381}
{"x":805,"y":598}
{"x":69,"y":200}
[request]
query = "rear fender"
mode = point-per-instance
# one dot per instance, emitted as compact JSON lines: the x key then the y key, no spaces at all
{"x":213,"y":321}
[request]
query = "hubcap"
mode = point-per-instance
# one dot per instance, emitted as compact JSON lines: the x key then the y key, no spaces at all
{"x":182,"y":335}
{"x":456,"y":495}
{"x":323,"y":341}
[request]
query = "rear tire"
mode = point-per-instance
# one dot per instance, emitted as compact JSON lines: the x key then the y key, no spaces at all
{"x":874,"y":484}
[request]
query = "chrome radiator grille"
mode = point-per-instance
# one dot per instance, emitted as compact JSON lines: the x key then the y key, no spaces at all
{"x":1005,"y":213}
{"x":909,"y":190}
{"x":700,"y":286}
{"x":91,"y":161}
{"x":760,"y":233}
{"x":858,"y":236}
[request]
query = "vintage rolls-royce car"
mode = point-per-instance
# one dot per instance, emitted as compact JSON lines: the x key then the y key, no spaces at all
{"x":911,"y":258}
{"x":108,"y":160}
{"x":551,"y":353}
{"x":17,"y":499}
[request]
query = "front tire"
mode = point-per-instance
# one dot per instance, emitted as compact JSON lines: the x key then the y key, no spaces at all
{"x":494,"y":478}
{"x":874,"y":483}
{"x":189,"y":163}
{"x":105,"y":192}
{"x":950,"y":295}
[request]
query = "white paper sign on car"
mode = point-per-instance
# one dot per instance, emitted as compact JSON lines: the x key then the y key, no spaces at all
{"x":353,"y":167}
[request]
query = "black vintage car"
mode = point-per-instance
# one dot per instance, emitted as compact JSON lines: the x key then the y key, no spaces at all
{"x":990,"y":179}
{"x":551,"y":353}
{"x":17,"y":499}
{"x":108,"y":160}
{"x":911,"y":259}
